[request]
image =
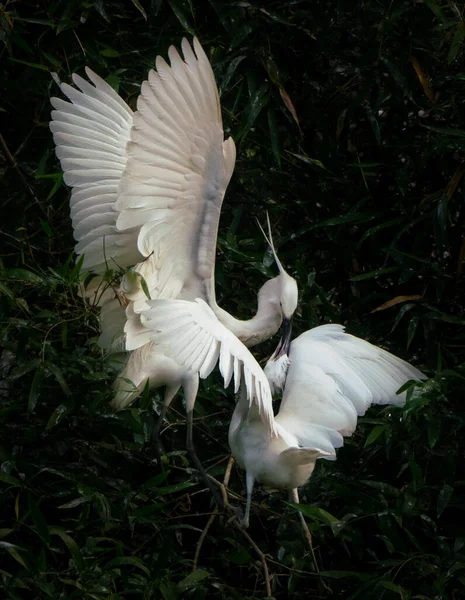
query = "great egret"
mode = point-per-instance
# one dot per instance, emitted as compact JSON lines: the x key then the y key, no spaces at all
{"x":327,"y":378}
{"x":147,"y":189}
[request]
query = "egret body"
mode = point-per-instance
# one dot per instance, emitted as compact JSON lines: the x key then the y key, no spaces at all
{"x":147,"y":190}
{"x":328,"y":378}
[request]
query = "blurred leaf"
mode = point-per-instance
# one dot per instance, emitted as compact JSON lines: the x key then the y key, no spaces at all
{"x":60,"y":413}
{"x":457,"y":41}
{"x":128,"y":560}
{"x":315,"y":513}
{"x":14,"y":552}
{"x":288,"y":104}
{"x":446,"y":130}
{"x":374,"y":274}
{"x":70,"y":544}
{"x":396,"y":300}
{"x":444,"y":498}
{"x":192,"y":579}
{"x":38,"y":518}
{"x":180,"y":9}
{"x":24,"y":275}
{"x":274,"y":136}
{"x":257,"y":102}
{"x":140,"y":8}
{"x":35,"y":390}
{"x":423,"y":79}
{"x":374,"y":434}
{"x":59,"y":377}
{"x":9,"y":479}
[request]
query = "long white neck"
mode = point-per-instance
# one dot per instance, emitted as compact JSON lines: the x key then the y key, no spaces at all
{"x":263,"y":325}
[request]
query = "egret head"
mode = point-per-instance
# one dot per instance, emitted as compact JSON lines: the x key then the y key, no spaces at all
{"x":283,"y":287}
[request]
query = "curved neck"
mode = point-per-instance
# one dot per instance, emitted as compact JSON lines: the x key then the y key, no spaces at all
{"x":261,"y":327}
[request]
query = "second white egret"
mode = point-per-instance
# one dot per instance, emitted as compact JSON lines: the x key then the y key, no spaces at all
{"x":327,"y":378}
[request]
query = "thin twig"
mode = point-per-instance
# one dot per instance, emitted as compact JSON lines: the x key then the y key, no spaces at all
{"x":15,"y":166}
{"x":202,"y":537}
{"x":294,"y":497}
{"x":260,"y":554}
{"x":223,"y":488}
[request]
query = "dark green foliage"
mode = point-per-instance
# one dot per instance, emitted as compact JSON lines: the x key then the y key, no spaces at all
{"x":350,"y":125}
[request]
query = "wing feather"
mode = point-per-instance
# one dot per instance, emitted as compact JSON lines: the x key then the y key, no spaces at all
{"x":176,"y":175}
{"x":148,"y":184}
{"x":190,"y":333}
{"x":334,"y":377}
{"x":91,"y":133}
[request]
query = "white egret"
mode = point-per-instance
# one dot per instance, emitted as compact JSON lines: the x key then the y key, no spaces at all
{"x":327,"y":378}
{"x":147,"y":189}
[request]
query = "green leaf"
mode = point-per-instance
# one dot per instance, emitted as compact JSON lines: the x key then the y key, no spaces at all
{"x":30,"y":64}
{"x":434,"y":6}
{"x":315,"y":513}
{"x":274,"y":136}
{"x":168,"y":590}
{"x":393,"y":587}
{"x":180,"y":9}
{"x":13,"y":550}
{"x":35,"y":390}
{"x":9,"y":479}
{"x":343,"y":575}
{"x":192,"y":579}
{"x":60,"y":413}
{"x":373,"y":274}
{"x":6,"y":291}
{"x":457,"y":40}
{"x":128,"y":560}
{"x":444,"y":498}
{"x":109,"y":53}
{"x":140,"y":8}
{"x":434,"y":433}
{"x":446,"y":130}
{"x":38,"y":518}
{"x":171,"y":489}
{"x":45,"y":226}
{"x":145,"y":287}
{"x":24,"y":275}
{"x":232,"y":66}
{"x":71,"y":545}
{"x":257,"y":102}
{"x":59,"y":377}
{"x":374,"y":230}
{"x":375,"y":433}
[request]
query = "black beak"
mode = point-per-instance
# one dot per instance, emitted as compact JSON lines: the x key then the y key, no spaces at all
{"x":285,"y":341}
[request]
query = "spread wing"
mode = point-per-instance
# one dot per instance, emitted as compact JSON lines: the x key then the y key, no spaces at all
{"x":91,"y":133}
{"x":176,"y":175}
{"x":334,"y":377}
{"x":190,"y":334}
{"x":146,"y":184}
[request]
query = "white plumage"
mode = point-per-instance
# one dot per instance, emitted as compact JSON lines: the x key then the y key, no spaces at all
{"x":147,"y":190}
{"x":328,"y":378}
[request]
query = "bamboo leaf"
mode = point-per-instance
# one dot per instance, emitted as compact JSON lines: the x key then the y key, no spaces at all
{"x":71,"y":545}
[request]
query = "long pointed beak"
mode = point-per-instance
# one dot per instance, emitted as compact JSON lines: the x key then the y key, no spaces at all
{"x":285,"y":341}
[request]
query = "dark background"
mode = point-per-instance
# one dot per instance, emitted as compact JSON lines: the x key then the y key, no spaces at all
{"x":349,"y":122}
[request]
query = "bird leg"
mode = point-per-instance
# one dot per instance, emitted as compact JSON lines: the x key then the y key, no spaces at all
{"x":294,"y":497}
{"x":250,"y":480}
{"x":170,"y":393}
{"x":191,"y":387}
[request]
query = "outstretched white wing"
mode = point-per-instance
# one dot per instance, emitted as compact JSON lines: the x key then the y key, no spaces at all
{"x":177,"y":172}
{"x":190,"y":333}
{"x":334,"y":377}
{"x":91,"y":133}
